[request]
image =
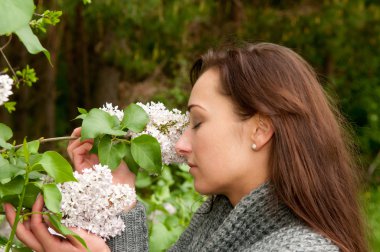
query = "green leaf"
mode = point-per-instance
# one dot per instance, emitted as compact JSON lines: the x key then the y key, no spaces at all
{"x":82,"y":111}
{"x":135,"y":118}
{"x":13,"y":187}
{"x":128,"y":158}
{"x":117,"y":153}
{"x":143,"y":180}
{"x":97,"y":123}
{"x":56,"y":222}
{"x":7,"y":171}
{"x":25,"y":151}
{"x":33,"y":146}
{"x":146,"y":152}
{"x":21,"y":249}
{"x":31,"y":42}
{"x":3,"y":240}
{"x":104,"y":149}
{"x":5,"y":132}
{"x":52,"y":197}
{"x":31,"y":193}
{"x":15,"y":14}
{"x":160,"y":237}
{"x":12,"y":199}
{"x":110,"y":153}
{"x":10,"y":106}
{"x":57,"y":167}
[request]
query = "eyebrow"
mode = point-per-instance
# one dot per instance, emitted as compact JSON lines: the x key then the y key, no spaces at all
{"x":189,"y":107}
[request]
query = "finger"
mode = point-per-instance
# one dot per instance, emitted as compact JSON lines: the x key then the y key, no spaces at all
{"x":77,"y":143}
{"x":23,"y":232}
{"x":83,"y":234}
{"x":93,"y":242}
{"x":82,"y":157}
{"x":39,"y":227}
{"x":76,"y":132}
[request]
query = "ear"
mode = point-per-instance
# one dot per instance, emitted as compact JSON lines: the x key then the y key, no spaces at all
{"x":262,"y":131}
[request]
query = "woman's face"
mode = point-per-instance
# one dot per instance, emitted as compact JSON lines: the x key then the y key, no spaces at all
{"x":217,"y":143}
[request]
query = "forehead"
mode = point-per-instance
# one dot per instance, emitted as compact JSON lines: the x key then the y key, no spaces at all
{"x":207,"y":87}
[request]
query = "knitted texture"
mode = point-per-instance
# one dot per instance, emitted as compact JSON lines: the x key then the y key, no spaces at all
{"x":259,"y":222}
{"x":135,"y":236}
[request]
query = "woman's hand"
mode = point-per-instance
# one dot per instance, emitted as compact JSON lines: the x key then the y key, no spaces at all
{"x":79,"y":153}
{"x":34,"y":233}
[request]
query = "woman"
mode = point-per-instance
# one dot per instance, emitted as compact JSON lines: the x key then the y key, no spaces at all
{"x":265,"y":141}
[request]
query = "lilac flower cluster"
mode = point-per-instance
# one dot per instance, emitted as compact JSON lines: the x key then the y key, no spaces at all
{"x":93,"y":203}
{"x":5,"y":88}
{"x":164,"y":125}
{"x":114,"y":111}
{"x":167,"y":127}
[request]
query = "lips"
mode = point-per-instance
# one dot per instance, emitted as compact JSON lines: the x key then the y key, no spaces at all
{"x":191,"y":165}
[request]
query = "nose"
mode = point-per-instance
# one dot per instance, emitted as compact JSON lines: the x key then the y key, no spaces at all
{"x":183,"y":146}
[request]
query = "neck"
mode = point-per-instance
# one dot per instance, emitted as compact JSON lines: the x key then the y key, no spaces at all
{"x":236,"y":195}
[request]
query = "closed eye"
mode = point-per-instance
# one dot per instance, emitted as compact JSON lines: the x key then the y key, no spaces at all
{"x":197,"y":125}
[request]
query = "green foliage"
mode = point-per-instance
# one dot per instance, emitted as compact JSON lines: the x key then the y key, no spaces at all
{"x":170,"y":200}
{"x":31,"y":42}
{"x":146,"y":152}
{"x":110,"y":143}
{"x":47,"y":18}
{"x":26,"y":76}
{"x":52,"y":197}
{"x":15,"y":14}
{"x":56,"y":166}
{"x":10,"y":106}
{"x":15,"y":18}
{"x":22,"y":169}
{"x":134,"y":118}
{"x":55,"y":220}
{"x":98,"y":123}
{"x":372,"y":203}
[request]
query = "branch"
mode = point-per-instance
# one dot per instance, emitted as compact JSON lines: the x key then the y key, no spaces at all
{"x":6,"y":44}
{"x":46,"y":140}
{"x":6,"y":59}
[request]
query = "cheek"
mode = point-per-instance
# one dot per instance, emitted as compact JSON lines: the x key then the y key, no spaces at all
{"x":216,"y":149}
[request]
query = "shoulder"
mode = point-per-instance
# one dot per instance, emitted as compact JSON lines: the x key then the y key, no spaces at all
{"x":295,"y":237}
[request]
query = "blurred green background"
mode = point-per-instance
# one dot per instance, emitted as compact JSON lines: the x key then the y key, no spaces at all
{"x":122,"y":51}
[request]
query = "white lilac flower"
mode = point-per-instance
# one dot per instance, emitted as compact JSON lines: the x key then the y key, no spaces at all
{"x":93,"y":203}
{"x":5,"y":88}
{"x":155,"y":215}
{"x":113,"y":110}
{"x":170,"y":208}
{"x":167,"y":127}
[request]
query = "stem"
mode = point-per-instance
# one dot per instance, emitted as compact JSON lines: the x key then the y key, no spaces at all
{"x":6,"y":44}
{"x":19,"y":207}
{"x":46,"y":140}
{"x":6,"y":60}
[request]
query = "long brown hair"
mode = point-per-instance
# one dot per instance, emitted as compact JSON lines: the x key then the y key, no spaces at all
{"x":311,"y":166}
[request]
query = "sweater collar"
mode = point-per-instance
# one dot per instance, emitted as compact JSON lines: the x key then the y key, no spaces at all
{"x":256,"y":215}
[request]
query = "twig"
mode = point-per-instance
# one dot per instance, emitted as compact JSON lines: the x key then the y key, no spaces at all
{"x":9,"y":64}
{"x":6,"y":44}
{"x":46,"y":140}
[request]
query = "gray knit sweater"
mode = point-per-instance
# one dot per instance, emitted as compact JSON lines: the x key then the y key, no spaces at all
{"x":259,"y":222}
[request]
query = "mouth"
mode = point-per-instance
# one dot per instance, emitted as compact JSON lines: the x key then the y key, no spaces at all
{"x":191,"y":165}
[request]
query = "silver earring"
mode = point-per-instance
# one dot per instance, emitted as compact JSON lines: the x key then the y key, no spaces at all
{"x":254,"y":146}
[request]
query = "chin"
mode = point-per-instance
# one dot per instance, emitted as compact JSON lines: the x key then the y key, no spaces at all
{"x":203,"y":189}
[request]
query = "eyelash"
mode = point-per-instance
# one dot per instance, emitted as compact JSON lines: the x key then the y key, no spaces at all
{"x":196,"y":125}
